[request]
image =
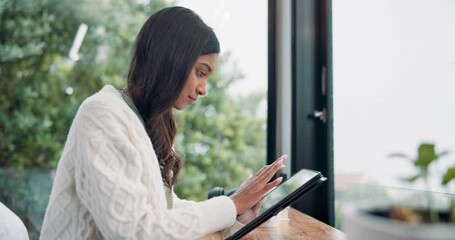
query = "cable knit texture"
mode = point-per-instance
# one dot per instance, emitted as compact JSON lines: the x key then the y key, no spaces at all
{"x":108,"y":183}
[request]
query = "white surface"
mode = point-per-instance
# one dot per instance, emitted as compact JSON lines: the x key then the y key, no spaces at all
{"x":360,"y":226}
{"x":11,"y":226}
{"x":394,"y":85}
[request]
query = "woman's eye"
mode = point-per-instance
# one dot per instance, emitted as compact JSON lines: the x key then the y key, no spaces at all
{"x":200,"y":73}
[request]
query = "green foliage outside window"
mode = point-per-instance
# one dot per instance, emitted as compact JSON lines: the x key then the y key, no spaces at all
{"x":36,"y":72}
{"x":221,"y":138}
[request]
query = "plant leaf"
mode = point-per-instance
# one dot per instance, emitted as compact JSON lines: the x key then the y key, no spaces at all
{"x":412,"y":178}
{"x":441,"y":154}
{"x":426,"y":155}
{"x":448,"y":176}
{"x":399,"y":155}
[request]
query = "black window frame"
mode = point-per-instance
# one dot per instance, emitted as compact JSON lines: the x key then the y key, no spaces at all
{"x":312,"y":139}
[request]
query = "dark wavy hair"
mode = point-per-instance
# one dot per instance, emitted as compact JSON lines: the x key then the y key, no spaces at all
{"x":164,"y":53}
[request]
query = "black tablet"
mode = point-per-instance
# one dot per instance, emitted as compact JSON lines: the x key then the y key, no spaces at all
{"x":281,"y":197}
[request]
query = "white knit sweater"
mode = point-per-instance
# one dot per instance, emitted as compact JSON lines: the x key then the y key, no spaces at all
{"x":108,"y":183}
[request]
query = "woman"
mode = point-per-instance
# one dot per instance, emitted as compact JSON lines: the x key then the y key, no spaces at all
{"x":115,"y":177}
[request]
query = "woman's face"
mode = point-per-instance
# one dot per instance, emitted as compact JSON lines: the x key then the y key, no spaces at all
{"x":196,"y":84}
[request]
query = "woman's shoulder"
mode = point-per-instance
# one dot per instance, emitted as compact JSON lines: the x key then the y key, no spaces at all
{"x":107,"y":96}
{"x":107,"y":99}
{"x":104,"y":105}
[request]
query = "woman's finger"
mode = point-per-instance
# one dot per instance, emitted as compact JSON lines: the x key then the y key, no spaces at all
{"x":271,"y":185}
{"x":256,"y":186}
{"x":280,"y":160}
{"x":261,"y":179}
{"x":267,"y":175}
{"x":256,"y":207}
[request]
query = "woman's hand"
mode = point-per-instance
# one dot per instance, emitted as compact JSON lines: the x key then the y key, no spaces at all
{"x":253,"y":189}
{"x":250,"y":214}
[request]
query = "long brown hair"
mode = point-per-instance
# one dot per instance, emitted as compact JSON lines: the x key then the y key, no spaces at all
{"x":165,"y":51}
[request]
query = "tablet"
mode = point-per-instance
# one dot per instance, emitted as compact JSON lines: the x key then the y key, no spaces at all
{"x":281,"y":197}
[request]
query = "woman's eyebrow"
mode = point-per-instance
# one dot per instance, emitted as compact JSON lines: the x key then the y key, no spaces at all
{"x":208,"y":66}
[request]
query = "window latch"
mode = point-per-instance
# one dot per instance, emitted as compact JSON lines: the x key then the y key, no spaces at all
{"x":319,"y":114}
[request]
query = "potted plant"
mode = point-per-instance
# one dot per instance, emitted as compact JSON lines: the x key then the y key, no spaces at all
{"x":416,"y":215}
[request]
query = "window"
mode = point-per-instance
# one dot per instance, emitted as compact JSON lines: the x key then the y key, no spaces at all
{"x":393,"y":76}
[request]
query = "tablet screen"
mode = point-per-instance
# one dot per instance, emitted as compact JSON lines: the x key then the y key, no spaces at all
{"x":286,"y":188}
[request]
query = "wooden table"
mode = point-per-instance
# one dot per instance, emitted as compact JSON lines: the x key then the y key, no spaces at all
{"x":299,"y":226}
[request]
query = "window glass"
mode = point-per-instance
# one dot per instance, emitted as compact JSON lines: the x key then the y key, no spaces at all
{"x":393,"y":76}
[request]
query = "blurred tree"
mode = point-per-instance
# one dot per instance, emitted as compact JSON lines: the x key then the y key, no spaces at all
{"x":41,"y":87}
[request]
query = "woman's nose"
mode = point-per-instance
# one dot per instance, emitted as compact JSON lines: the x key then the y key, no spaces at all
{"x":202,"y":88}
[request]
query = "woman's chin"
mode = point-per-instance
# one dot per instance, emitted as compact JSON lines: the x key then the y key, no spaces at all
{"x":179,"y":108}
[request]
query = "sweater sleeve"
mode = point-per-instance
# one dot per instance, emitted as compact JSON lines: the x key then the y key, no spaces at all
{"x":226,"y":232}
{"x":123,"y":191}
